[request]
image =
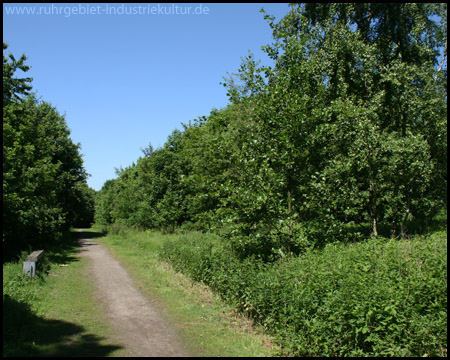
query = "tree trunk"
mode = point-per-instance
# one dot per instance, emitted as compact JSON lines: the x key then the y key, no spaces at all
{"x":290,"y":220}
{"x":373,"y":211}
{"x":403,"y":225}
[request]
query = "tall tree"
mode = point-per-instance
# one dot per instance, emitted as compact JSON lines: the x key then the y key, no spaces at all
{"x":13,"y":87}
{"x":354,"y":109}
{"x":44,"y":182}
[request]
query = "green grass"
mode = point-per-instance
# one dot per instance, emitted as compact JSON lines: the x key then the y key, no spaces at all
{"x":54,"y":314}
{"x":58,"y":314}
{"x":207,"y":325}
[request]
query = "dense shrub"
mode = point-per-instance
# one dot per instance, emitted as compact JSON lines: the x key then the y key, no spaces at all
{"x":376,"y":298}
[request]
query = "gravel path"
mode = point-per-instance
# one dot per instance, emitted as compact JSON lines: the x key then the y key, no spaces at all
{"x":136,"y":323}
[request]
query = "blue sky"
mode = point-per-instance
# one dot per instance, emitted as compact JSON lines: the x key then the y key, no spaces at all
{"x":126,"y":80}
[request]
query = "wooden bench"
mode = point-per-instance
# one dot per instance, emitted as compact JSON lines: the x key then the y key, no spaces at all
{"x":29,"y":265}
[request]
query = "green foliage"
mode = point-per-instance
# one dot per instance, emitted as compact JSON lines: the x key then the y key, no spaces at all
{"x":14,"y":88}
{"x":338,"y":133}
{"x":44,"y":182}
{"x":377,"y":298}
{"x":176,"y":184}
{"x":343,"y":139}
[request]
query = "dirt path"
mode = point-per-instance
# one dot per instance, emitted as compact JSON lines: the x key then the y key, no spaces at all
{"x":136,"y":323}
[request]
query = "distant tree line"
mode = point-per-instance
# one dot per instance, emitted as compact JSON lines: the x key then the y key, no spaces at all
{"x":345,"y":136}
{"x":44,"y":182}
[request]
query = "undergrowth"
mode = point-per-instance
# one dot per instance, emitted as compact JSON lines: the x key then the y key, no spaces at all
{"x":381,"y":297}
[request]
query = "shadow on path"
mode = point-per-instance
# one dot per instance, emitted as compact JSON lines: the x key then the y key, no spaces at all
{"x":66,"y":250}
{"x":87,"y":234}
{"x":26,"y":334}
{"x":84,"y":238}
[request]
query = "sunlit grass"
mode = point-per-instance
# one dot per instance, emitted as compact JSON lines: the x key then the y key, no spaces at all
{"x":207,"y":325}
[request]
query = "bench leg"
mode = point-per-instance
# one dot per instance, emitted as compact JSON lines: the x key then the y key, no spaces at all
{"x":29,"y":267}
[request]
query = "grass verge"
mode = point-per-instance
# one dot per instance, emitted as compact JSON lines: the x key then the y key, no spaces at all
{"x":207,"y":325}
{"x":56,"y":313}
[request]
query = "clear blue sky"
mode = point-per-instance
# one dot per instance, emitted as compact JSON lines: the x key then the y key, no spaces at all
{"x":126,"y":80}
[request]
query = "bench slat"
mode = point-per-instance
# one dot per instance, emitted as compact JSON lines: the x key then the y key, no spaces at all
{"x":35,"y":255}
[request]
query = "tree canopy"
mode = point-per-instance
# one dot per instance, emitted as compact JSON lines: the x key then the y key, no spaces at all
{"x":44,"y":182}
{"x":344,"y":136}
